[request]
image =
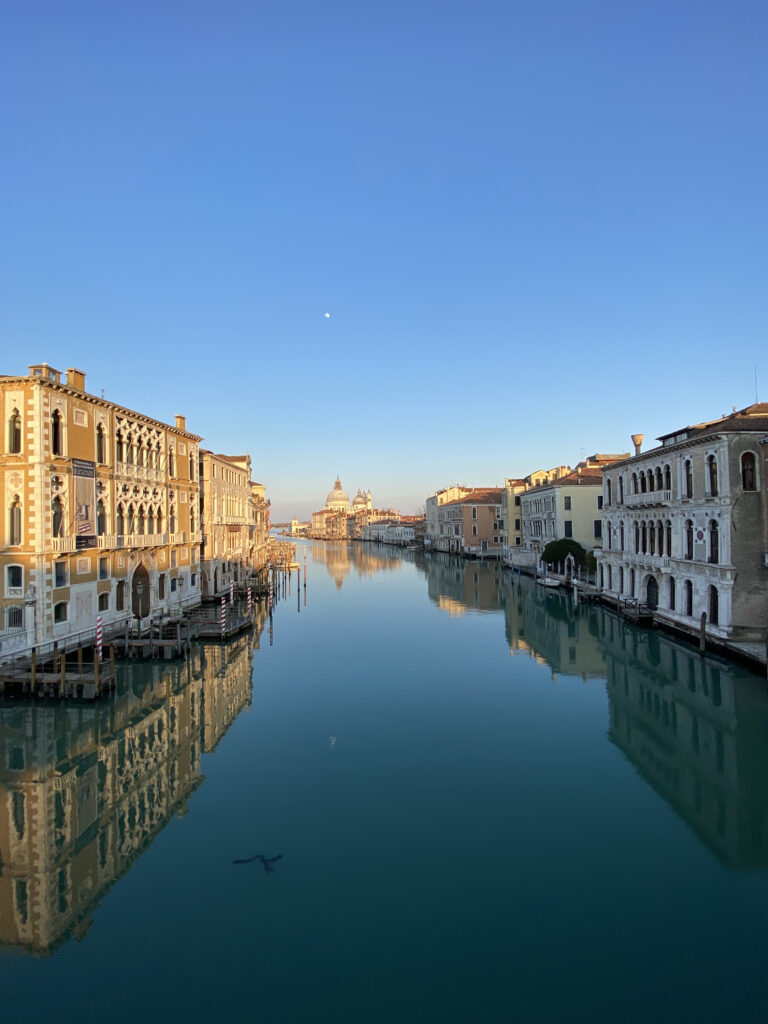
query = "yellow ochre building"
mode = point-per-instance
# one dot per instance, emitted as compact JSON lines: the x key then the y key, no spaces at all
{"x":100,"y":511}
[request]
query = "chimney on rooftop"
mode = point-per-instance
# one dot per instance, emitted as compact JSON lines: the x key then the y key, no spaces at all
{"x":181,"y":422}
{"x":637,"y":441}
{"x":75,"y":379}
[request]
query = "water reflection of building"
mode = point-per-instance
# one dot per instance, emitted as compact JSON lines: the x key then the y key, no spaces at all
{"x":341,"y":557}
{"x":227,"y":673}
{"x":457,"y":586}
{"x":544,"y":624}
{"x":695,"y":730}
{"x":84,"y":792}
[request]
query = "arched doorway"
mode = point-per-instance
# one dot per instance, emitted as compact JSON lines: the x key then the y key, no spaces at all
{"x":140,"y":592}
{"x":652,"y":592}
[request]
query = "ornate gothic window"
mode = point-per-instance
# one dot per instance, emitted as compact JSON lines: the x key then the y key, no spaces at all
{"x":14,"y":433}
{"x":714,"y":541}
{"x":57,"y":518}
{"x":56,"y":433}
{"x":101,"y":447}
{"x":14,"y":521}
{"x":712,"y":475}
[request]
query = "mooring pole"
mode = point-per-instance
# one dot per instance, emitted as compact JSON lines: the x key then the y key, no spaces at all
{"x":703,"y":633}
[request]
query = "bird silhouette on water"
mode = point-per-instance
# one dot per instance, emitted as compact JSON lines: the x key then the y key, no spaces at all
{"x":266,"y":862}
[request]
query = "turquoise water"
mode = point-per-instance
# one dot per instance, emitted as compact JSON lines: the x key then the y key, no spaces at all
{"x":489,"y":806}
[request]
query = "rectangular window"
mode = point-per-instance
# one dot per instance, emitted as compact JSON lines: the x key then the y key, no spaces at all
{"x":103,"y":568}
{"x":193,"y":580}
{"x":568,"y":524}
{"x":598,"y":528}
{"x":599,"y":501}
{"x":161,"y":586}
{"x":567,"y":503}
{"x":474,"y":512}
{"x":474,"y":531}
{"x":173,"y":585}
{"x":60,"y":574}
{"x":173,"y":558}
{"x":103,"y":602}
{"x":517,"y":540}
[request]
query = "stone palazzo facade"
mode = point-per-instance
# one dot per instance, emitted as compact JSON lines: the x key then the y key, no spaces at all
{"x":99,"y":511}
{"x":684,"y":527}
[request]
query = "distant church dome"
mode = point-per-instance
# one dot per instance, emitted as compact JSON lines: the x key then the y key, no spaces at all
{"x":338,"y":498}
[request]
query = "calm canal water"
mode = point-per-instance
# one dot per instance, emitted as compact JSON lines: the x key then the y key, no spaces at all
{"x":488,"y":806}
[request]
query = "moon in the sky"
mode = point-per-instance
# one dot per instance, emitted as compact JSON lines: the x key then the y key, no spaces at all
{"x":327,"y":316}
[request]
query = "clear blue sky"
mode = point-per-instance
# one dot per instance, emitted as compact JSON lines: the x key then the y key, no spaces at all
{"x":538,"y":226}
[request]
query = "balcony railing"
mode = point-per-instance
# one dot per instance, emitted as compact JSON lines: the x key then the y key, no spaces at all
{"x":648,"y":498}
{"x":177,"y":538}
{"x":60,"y":545}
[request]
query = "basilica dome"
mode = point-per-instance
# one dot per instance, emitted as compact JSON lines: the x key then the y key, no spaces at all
{"x":338,"y":498}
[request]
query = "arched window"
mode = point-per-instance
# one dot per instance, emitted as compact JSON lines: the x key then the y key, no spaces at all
{"x":101,"y":518}
{"x":57,"y":518}
{"x":688,"y":478}
{"x":621,"y":579}
{"x":151,"y":520}
{"x":156,"y":456}
{"x":748,"y":475}
{"x":14,"y":521}
{"x":668,"y":531}
{"x":131,"y":519}
{"x":689,"y":538}
{"x":119,"y":447}
{"x":621,"y":490}
{"x":101,"y":448}
{"x":659,"y":479}
{"x":621,"y":536}
{"x":171,"y":463}
{"x":660,"y":537}
{"x":637,"y":538}
{"x":60,"y":612}
{"x":667,"y":478}
{"x":643,"y":484}
{"x":192,"y":519}
{"x":644,"y":537}
{"x":141,"y":520}
{"x":120,"y":596}
{"x":56,"y":438}
{"x":610,"y":577}
{"x":172,"y":519}
{"x":712,"y":474}
{"x":14,"y":433}
{"x":608,"y":491}
{"x":129,"y":450}
{"x":651,"y":538}
{"x":714,"y":606}
{"x":688,"y":597}
{"x":159,"y":520}
{"x":120,"y":520}
{"x":634,"y":483}
{"x":602,"y":576}
{"x":632,"y":582}
{"x":672,"y":593}
{"x":714,"y":541}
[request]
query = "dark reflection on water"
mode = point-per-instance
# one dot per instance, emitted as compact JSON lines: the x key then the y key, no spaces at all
{"x":85,"y":789}
{"x":695,"y":727}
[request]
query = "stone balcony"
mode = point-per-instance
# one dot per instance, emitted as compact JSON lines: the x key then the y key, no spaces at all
{"x":647,"y":498}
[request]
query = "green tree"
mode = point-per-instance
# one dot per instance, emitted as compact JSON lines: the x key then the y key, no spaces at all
{"x":558,"y":550}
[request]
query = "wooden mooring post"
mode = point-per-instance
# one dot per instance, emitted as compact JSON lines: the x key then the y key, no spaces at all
{"x":703,"y":633}
{"x":33,"y":671}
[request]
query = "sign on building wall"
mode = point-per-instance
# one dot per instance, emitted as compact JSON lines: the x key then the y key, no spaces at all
{"x":84,"y":474}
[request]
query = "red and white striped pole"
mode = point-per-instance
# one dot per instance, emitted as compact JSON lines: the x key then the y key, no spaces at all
{"x":248,"y":600}
{"x":223,"y":615}
{"x":99,"y":635}
{"x":270,"y":588}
